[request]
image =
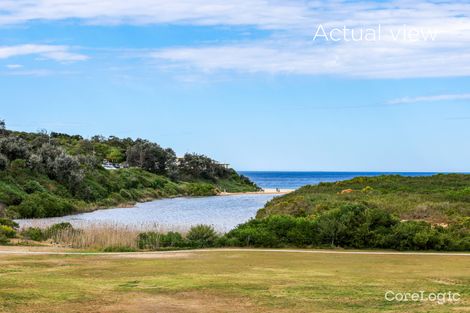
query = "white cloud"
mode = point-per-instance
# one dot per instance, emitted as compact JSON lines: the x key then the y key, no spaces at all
{"x":263,"y":13}
{"x":446,"y":97}
{"x":362,"y":59}
{"x":52,"y":52}
{"x":291,"y":24}
{"x":13,"y":66}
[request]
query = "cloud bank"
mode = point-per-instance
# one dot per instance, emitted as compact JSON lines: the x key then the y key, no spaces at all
{"x":289,"y":48}
{"x":52,"y":52}
{"x":435,"y":98}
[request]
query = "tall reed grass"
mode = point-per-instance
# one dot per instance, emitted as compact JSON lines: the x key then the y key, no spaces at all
{"x":97,"y":237}
{"x":104,"y":236}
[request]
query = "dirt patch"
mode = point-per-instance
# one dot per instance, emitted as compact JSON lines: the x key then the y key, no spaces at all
{"x":193,"y":302}
{"x":150,"y":255}
{"x":36,"y":248}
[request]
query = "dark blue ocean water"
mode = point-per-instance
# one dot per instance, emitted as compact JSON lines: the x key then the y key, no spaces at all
{"x":294,"y":180}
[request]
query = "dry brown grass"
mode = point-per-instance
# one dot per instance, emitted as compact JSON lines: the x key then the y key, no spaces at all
{"x":97,"y":237}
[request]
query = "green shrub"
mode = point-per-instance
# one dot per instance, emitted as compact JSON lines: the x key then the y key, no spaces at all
{"x":202,"y":236}
{"x":460,"y":195}
{"x":8,"y":222}
{"x":354,"y":225}
{"x":4,"y":240}
{"x":119,"y":249}
{"x":33,"y":186}
{"x":199,"y":189}
{"x":43,"y":204}
{"x":154,"y":241}
{"x":159,"y":183}
{"x":10,"y":194}
{"x":275,"y":231}
{"x":3,"y":162}
{"x":18,"y":166}
{"x":33,"y":233}
{"x":56,"y":229}
{"x":253,"y":236}
{"x":7,"y":231}
{"x":172,"y":240}
{"x":413,"y":235}
{"x":149,"y":240}
{"x":126,"y":194}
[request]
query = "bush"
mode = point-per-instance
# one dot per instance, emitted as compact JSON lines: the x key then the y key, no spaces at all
{"x":8,"y":222}
{"x":33,"y":233}
{"x":172,"y":240}
{"x":126,"y":194}
{"x":56,"y":229}
{"x":253,"y":236}
{"x":10,"y":194}
{"x":4,"y":240}
{"x":275,"y":231}
{"x":149,"y":240}
{"x":3,"y":162}
{"x":119,"y":249}
{"x":155,"y":241}
{"x":413,"y":235}
{"x":199,"y":189}
{"x":202,"y":236}
{"x":33,"y":186}
{"x":7,"y":231}
{"x":43,"y":204}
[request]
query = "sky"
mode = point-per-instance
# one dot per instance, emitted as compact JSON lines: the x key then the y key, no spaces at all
{"x":259,"y":84}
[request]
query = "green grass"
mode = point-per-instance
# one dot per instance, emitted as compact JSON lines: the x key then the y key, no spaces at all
{"x":229,"y":282}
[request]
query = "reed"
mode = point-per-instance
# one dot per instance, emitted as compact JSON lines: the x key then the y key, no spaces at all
{"x":105,"y":236}
{"x":97,"y":237}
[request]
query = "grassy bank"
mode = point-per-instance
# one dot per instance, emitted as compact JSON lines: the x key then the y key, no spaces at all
{"x":240,"y":281}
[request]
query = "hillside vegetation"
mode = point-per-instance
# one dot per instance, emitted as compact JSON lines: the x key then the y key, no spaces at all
{"x":386,"y":212}
{"x":46,"y":175}
{"x":442,"y":198}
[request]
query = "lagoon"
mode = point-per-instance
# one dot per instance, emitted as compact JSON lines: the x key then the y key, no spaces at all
{"x":223,"y":212}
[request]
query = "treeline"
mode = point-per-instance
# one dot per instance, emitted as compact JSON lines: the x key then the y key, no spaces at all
{"x":61,"y":156}
{"x":45,"y":175}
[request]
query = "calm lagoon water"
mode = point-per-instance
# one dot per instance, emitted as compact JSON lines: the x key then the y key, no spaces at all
{"x":223,"y":212}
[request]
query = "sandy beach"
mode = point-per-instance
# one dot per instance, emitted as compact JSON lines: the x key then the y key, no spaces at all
{"x":266,"y":191}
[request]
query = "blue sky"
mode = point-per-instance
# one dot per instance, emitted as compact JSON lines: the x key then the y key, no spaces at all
{"x":245,"y":82}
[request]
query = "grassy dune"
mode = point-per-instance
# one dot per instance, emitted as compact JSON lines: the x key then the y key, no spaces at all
{"x":436,"y":199}
{"x":229,"y":282}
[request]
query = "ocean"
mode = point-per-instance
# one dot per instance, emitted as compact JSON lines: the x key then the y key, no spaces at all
{"x":294,"y":180}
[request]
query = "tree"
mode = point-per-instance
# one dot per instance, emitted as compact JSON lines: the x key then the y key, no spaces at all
{"x":150,"y":157}
{"x":14,"y":148}
{"x":3,"y":127}
{"x":3,"y":162}
{"x":115,"y":155}
{"x":57,"y":164}
{"x":196,"y":166}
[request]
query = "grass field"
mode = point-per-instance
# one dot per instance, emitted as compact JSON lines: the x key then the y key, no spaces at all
{"x":228,"y":281}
